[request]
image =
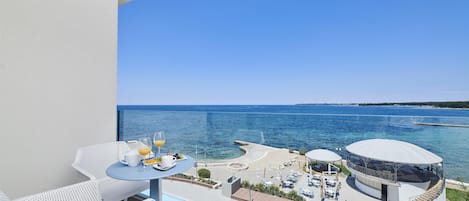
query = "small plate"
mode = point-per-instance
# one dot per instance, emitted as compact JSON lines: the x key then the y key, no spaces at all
{"x":183,"y":157}
{"x":158,"y":167}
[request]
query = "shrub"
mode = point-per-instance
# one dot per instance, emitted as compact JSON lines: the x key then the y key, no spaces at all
{"x":208,"y":181}
{"x":245,"y":184}
{"x":292,"y":195}
{"x":273,"y":190}
{"x":259,"y":187}
{"x":302,"y":151}
{"x":203,"y":173}
{"x":184,"y":176}
{"x":344,"y":170}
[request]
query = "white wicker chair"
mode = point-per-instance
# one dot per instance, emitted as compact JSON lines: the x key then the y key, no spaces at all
{"x":84,"y":191}
{"x":3,"y":197}
{"x":92,"y":162}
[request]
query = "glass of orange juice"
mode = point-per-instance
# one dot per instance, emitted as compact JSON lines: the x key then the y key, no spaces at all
{"x":144,"y":148}
{"x":159,"y":140}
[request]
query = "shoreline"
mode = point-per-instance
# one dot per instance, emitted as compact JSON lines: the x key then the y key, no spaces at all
{"x":251,"y":153}
{"x":257,"y":156}
{"x":412,"y":106}
{"x":441,"y":125}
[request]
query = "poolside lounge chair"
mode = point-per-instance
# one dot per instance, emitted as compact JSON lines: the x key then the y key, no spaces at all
{"x":92,"y":161}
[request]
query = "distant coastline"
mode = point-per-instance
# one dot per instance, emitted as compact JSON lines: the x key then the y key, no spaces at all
{"x":446,"y":104}
{"x":452,"y":105}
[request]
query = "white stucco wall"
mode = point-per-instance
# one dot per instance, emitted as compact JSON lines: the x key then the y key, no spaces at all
{"x":57,"y":88}
{"x":409,"y":189}
{"x":393,"y":193}
{"x":368,"y":190}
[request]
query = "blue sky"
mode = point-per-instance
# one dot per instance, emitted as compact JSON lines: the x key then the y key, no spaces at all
{"x":287,"y":52}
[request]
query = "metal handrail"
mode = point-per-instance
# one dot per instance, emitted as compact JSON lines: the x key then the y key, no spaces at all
{"x":388,"y":175}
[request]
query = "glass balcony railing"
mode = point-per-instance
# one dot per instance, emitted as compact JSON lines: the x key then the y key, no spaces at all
{"x":371,"y":172}
{"x":208,"y":135}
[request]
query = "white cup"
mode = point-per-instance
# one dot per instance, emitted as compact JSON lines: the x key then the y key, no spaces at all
{"x":167,"y":161}
{"x":132,"y":158}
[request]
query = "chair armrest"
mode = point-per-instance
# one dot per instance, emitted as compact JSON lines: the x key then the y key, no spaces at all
{"x":3,"y":197}
{"x":84,"y":172}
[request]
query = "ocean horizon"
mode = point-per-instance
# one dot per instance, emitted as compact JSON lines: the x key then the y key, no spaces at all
{"x":209,"y":130}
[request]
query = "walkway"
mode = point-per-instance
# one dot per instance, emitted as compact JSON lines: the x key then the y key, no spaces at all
{"x":243,"y":195}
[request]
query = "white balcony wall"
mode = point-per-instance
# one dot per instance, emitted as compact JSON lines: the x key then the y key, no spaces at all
{"x":57,"y":88}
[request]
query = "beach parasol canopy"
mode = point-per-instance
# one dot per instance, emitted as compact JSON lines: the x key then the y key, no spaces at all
{"x":323,"y":155}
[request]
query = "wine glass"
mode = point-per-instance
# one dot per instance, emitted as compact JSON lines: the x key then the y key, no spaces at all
{"x":159,"y":140}
{"x":144,"y":148}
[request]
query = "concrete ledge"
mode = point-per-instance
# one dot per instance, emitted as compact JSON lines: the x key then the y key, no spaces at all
{"x":453,"y":184}
{"x":193,"y":182}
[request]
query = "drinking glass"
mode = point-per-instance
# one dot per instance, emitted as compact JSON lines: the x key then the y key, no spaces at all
{"x":159,"y":140}
{"x":144,"y":148}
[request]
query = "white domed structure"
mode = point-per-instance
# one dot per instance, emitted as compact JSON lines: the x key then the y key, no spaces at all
{"x":395,"y":171}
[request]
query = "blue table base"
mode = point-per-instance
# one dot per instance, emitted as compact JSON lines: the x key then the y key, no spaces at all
{"x":155,"y":189}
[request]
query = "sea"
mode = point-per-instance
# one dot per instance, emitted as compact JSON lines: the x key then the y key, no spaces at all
{"x":207,"y":132}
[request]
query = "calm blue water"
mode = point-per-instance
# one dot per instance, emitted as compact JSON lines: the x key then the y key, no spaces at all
{"x":212,"y":129}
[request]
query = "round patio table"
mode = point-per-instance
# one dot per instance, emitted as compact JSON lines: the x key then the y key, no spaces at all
{"x":124,"y":172}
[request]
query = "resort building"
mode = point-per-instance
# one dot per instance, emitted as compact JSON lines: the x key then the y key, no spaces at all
{"x":393,"y":170}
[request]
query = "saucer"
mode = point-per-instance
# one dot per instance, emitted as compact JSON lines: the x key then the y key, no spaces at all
{"x":158,"y":167}
{"x":123,"y":162}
